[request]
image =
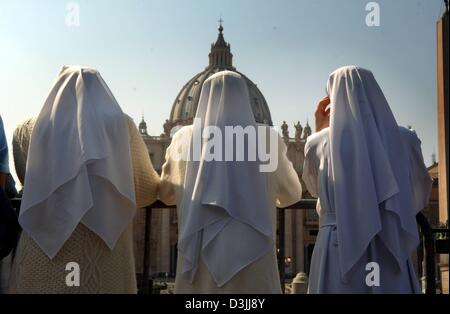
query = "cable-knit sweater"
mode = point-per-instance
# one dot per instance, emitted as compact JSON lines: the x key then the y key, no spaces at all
{"x":101,"y":270}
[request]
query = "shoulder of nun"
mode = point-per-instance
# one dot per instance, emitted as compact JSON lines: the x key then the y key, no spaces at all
{"x":22,"y":134}
{"x":128,"y":118}
{"x":182,"y":132}
{"x":270,"y":132}
{"x":315,"y":139}
{"x":409,"y":135}
{"x":26,"y":125}
{"x":131,"y":125}
{"x":269,"y":129}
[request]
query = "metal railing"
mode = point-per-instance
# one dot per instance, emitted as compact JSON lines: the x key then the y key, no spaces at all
{"x":427,"y":233}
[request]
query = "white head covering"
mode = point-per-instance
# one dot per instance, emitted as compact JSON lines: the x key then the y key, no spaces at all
{"x":4,"y":159}
{"x":79,"y":166}
{"x":370,"y":168}
{"x":225,"y":211}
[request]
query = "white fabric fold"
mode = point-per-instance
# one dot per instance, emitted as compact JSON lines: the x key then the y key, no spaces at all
{"x":225,"y":210}
{"x":370,"y":170}
{"x":79,"y":164}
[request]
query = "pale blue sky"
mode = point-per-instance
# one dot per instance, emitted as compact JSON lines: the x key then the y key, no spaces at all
{"x":146,"y":50}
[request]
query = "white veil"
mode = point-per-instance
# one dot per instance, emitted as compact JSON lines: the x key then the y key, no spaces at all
{"x":79,"y":167}
{"x":225,"y":211}
{"x":370,"y":169}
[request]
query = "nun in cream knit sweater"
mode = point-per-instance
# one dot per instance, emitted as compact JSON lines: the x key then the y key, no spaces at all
{"x":88,"y":171}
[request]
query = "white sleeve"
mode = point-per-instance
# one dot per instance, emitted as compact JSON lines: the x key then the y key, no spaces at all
{"x":289,"y":187}
{"x":167,"y":185}
{"x":421,"y":182}
{"x":310,"y":169}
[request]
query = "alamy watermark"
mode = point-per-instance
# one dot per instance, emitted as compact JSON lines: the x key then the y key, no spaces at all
{"x":72,"y":14}
{"x":373,"y":15}
{"x":73,"y":275}
{"x":373,"y":277}
{"x":230,"y":143}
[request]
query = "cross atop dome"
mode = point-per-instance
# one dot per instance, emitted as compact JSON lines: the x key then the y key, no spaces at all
{"x":220,"y":56}
{"x":220,"y":25}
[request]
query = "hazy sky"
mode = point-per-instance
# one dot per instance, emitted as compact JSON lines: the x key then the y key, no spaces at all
{"x":147,"y":50}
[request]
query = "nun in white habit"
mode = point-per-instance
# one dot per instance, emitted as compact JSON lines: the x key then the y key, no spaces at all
{"x":87,"y":171}
{"x":369,"y":176}
{"x":226,"y":209}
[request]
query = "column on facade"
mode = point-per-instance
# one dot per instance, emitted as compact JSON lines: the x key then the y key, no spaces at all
{"x":300,"y":243}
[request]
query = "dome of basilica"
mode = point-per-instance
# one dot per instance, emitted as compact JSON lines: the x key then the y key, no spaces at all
{"x":220,"y":59}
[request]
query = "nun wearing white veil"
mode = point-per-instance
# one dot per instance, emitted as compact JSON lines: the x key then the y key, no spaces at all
{"x":369,"y":176}
{"x":87,"y":171}
{"x":226,"y":209}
